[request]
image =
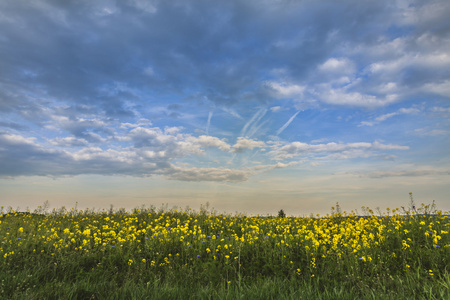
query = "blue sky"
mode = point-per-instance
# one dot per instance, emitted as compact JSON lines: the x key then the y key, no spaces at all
{"x":252,"y":106}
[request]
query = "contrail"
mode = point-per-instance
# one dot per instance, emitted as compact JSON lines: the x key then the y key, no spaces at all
{"x":232,"y":112}
{"x":287,"y":123}
{"x":208,"y":122}
{"x":255,"y":119}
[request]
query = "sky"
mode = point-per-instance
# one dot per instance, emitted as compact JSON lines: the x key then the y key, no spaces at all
{"x":248,"y":106}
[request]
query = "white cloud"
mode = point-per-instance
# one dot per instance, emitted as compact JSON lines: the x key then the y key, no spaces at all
{"x":150,"y":137}
{"x":385,"y":48}
{"x":434,"y":60}
{"x":331,"y":150}
{"x":207,"y":141}
{"x":23,"y":156}
{"x":285,"y":90}
{"x":410,"y":110}
{"x":385,"y":116}
{"x":345,"y":98}
{"x":441,"y":88}
{"x":389,"y":67}
{"x":174,"y":143}
{"x":388,"y":88}
{"x":244,"y":143}
{"x":80,"y":127}
{"x":172,"y":129}
{"x":379,"y":146}
{"x":276,"y":108}
{"x":14,"y":139}
{"x":69,"y":142}
{"x":337,"y":66}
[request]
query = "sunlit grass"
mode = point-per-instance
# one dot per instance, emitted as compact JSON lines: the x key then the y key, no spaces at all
{"x":115,"y":254}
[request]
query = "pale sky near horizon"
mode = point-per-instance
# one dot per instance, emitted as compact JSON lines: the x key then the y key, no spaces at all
{"x":252,"y":106}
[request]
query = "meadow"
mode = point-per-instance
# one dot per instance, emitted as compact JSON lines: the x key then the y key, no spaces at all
{"x":153,"y":253}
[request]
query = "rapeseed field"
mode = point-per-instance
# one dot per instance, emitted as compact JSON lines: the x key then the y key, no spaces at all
{"x":146,"y":254}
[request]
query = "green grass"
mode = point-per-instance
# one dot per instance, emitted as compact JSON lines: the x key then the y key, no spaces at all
{"x":200,"y":255}
{"x":24,"y":286}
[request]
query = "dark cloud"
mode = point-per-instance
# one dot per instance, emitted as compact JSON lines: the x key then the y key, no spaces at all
{"x":24,"y":157}
{"x":153,"y":154}
{"x":20,"y":156}
{"x":13,"y":125}
{"x":222,"y":50}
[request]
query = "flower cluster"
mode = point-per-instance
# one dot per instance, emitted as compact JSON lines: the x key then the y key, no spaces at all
{"x":173,"y":240}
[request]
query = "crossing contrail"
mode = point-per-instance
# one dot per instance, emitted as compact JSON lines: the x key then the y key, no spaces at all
{"x":253,"y":122}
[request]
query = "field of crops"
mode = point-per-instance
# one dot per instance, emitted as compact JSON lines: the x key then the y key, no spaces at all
{"x":185,"y":254}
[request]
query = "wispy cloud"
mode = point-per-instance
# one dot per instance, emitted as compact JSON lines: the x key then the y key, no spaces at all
{"x":232,"y":112}
{"x":208,"y":123}
{"x":431,"y":132}
{"x":332,"y":150}
{"x":207,"y":174}
{"x":405,"y":173}
{"x":406,"y":111}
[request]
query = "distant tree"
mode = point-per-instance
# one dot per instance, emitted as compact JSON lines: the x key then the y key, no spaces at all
{"x":281,"y":214}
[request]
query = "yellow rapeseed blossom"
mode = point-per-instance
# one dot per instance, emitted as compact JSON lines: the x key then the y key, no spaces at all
{"x":170,"y":240}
